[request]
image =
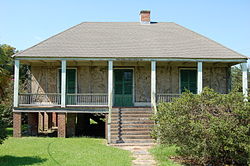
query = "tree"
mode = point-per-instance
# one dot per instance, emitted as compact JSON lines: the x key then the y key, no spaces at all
{"x":6,"y":86}
{"x":236,"y":74}
{"x":3,"y":125}
{"x":6,"y":77}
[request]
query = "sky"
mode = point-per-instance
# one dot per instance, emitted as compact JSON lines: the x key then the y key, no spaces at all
{"x":25,"y":23}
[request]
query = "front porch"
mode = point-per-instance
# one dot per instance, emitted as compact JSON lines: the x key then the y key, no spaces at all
{"x":91,"y":84}
{"x":67,"y":86}
{"x":95,"y":84}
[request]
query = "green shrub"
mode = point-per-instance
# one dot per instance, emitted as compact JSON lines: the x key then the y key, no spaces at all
{"x":209,"y":128}
{"x":3,"y":132}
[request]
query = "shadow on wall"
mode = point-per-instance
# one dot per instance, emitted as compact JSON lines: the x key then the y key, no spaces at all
{"x":20,"y":161}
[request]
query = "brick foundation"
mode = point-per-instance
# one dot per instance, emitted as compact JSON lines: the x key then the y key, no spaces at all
{"x":46,"y":121}
{"x":33,"y":124}
{"x":61,"y":124}
{"x":17,"y":124}
{"x":71,"y":124}
{"x":106,"y":126}
{"x":40,"y":122}
{"x":54,"y":119}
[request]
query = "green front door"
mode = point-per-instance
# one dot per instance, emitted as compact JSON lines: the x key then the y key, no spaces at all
{"x":70,"y":85}
{"x":123,"y":91}
{"x":189,"y":80}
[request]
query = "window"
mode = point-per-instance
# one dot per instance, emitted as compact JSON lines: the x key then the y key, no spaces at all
{"x":188,"y":80}
{"x":70,"y":80}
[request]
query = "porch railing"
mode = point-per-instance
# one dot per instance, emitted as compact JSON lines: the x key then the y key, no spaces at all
{"x":87,"y":99}
{"x":81,"y":99}
{"x":48,"y":99}
{"x":164,"y":97}
{"x":54,"y":99}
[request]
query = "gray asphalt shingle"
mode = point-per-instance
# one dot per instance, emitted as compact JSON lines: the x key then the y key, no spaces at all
{"x":130,"y":40}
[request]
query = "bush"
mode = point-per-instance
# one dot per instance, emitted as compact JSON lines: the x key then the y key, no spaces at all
{"x":3,"y":132}
{"x":209,"y":128}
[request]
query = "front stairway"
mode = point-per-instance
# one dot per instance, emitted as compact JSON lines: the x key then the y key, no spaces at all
{"x":131,"y":125}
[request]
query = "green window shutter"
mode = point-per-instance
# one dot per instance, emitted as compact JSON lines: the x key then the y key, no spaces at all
{"x":193,"y":81}
{"x":184,"y":80}
{"x":189,"y":80}
{"x":118,"y":82}
{"x":70,"y":80}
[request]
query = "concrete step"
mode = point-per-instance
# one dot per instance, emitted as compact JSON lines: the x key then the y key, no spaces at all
{"x":133,"y":122}
{"x":145,"y":125}
{"x":131,"y":129}
{"x":133,"y":141}
{"x":132,"y":137}
{"x":131,"y":115}
{"x":130,"y":133}
{"x":133,"y":144}
{"x":131,"y":119}
{"x":131,"y":125}
{"x":132,"y":112}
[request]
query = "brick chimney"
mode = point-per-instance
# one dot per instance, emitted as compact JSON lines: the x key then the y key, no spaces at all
{"x":145,"y":17}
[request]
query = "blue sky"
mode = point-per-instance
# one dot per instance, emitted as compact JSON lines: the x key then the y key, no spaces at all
{"x":27,"y":22}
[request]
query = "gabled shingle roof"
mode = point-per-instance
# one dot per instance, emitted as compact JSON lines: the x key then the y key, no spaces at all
{"x":130,"y":40}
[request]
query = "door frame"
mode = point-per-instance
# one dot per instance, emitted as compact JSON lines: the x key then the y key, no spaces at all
{"x":133,"y":83}
{"x":184,"y":68}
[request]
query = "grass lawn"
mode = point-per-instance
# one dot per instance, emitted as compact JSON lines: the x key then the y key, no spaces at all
{"x":162,"y":153}
{"x":44,"y":151}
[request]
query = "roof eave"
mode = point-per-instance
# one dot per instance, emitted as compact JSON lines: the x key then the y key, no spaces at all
{"x":243,"y":59}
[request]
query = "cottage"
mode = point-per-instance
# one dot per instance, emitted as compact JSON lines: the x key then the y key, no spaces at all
{"x":115,"y":73}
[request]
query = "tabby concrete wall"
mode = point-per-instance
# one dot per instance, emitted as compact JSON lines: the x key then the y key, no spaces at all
{"x":168,"y":78}
{"x":142,"y":83}
{"x":44,"y":79}
{"x":93,"y":79}
{"x":217,"y":78}
{"x":90,"y":79}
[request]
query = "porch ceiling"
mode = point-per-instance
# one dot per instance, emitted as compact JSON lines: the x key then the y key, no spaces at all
{"x":122,"y":63}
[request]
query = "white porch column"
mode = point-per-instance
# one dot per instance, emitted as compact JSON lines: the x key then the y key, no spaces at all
{"x":153,"y":85}
{"x":16,"y":83}
{"x":244,"y":79}
{"x":63,"y":83}
{"x":110,"y":97}
{"x":199,"y":78}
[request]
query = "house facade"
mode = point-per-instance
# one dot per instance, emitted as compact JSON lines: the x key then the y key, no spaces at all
{"x":116,"y":73}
